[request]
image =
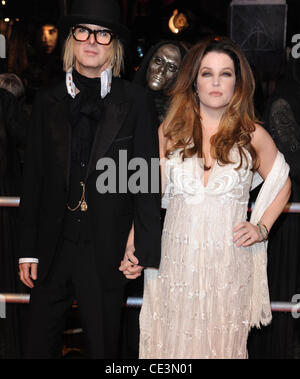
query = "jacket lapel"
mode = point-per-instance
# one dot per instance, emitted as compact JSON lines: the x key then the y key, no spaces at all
{"x":61,"y":129}
{"x":115,"y":109}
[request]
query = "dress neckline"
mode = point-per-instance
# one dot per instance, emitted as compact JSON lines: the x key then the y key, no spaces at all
{"x":210,"y":172}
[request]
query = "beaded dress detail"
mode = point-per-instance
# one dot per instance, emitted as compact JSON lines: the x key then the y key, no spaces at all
{"x":198,"y":304}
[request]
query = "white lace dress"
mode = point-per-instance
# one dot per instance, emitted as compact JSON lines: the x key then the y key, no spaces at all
{"x":198,"y":304}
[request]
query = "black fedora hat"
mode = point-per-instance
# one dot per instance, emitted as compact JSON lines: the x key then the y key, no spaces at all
{"x":105,"y":13}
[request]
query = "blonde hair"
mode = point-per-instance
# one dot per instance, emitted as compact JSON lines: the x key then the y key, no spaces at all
{"x":116,"y":55}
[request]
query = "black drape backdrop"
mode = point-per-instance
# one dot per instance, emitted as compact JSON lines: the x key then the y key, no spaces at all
{"x":282,"y":120}
{"x":13,"y":126}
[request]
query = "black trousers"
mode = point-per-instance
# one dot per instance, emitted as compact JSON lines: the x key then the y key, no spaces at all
{"x":74,"y":276}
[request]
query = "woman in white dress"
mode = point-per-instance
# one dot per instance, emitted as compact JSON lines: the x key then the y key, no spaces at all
{"x":211,"y":287}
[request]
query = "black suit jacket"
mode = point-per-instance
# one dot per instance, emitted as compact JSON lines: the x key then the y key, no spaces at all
{"x":127,"y":123}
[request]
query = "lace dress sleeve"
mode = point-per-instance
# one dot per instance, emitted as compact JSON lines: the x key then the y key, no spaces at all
{"x":285,"y":130}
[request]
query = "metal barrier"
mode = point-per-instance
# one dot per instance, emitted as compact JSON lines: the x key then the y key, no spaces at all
{"x":15,"y":202}
{"x":290,"y":208}
{"x":136,"y":302}
{"x":13,"y":298}
{"x":9,"y":202}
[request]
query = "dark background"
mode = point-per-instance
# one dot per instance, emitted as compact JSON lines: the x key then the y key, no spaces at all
{"x":148,"y":19}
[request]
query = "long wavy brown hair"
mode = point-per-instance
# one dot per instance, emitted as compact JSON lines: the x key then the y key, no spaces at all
{"x":182,"y":125}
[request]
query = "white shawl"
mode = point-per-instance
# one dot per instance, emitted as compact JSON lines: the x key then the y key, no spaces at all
{"x":260,"y":302}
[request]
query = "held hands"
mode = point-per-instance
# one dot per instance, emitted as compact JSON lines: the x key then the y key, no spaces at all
{"x":130,"y":264}
{"x":247,"y":234}
{"x":28,"y":271}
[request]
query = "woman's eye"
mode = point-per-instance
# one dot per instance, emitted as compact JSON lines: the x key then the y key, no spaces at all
{"x":157,"y":60}
{"x":227,"y":73}
{"x":205,"y":73}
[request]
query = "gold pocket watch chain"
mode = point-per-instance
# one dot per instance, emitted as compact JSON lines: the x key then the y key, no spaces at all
{"x":82,"y":202}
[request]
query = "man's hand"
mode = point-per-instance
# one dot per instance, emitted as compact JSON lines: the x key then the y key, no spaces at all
{"x":27,"y":272}
{"x":130,"y":264}
{"x":129,"y":270}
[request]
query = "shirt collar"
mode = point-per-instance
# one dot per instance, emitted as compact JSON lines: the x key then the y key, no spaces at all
{"x":106,"y":81}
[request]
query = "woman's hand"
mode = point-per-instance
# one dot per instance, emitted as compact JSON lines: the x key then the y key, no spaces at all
{"x":246,"y":234}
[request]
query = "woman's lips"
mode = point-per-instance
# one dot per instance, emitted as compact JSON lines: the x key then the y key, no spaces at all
{"x":215,"y":93}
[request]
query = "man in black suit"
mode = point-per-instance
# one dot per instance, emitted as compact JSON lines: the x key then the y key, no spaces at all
{"x":74,"y":224}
